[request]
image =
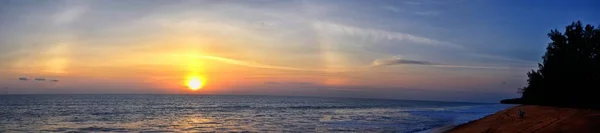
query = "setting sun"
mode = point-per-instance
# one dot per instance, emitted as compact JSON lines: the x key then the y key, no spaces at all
{"x":194,"y":83}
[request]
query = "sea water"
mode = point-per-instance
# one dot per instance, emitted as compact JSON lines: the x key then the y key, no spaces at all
{"x":220,"y":113}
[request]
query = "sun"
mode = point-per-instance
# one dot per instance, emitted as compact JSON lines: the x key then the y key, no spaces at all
{"x":194,"y":83}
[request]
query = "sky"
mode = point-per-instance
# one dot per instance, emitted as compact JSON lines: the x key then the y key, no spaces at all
{"x":445,"y":50}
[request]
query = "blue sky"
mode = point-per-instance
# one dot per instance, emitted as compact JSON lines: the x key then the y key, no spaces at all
{"x":457,"y":50}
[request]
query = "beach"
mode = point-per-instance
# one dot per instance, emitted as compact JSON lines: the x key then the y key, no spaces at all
{"x":536,"y":119}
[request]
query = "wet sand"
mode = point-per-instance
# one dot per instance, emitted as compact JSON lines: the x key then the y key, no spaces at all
{"x":542,"y":119}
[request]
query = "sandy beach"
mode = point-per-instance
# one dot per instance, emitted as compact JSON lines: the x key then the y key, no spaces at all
{"x":542,"y":119}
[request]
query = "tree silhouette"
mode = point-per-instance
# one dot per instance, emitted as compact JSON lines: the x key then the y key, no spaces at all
{"x":570,"y":72}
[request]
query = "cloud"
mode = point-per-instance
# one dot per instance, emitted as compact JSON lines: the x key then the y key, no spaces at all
{"x":503,"y":58}
{"x":398,"y":61}
{"x":380,"y":35}
{"x":427,"y":13}
{"x":393,"y":9}
{"x":412,"y":3}
{"x":252,"y":64}
{"x":472,"y":67}
{"x":267,"y":66}
{"x":39,"y":79}
{"x":70,"y":14}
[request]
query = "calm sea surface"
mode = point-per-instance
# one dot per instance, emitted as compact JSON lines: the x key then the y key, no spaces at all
{"x":193,"y":113}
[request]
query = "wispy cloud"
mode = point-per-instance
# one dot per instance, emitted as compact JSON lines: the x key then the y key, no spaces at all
{"x":393,"y":8}
{"x":412,"y":3}
{"x":379,"y":35}
{"x":400,"y":61}
{"x":502,"y":58}
{"x":267,"y":66}
{"x":396,"y":60}
{"x":427,"y":13}
{"x":252,"y":64}
{"x":40,"y":79}
{"x":70,"y":14}
{"x":472,"y":67}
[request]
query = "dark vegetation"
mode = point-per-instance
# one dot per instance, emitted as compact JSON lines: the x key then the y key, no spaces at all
{"x":570,"y":72}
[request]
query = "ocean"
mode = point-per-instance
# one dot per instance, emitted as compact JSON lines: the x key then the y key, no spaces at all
{"x":221,"y":113}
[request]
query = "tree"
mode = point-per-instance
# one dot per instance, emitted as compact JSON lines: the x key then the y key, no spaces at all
{"x":570,"y":71}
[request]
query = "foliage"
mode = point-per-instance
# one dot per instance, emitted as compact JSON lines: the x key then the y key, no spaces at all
{"x":570,"y":71}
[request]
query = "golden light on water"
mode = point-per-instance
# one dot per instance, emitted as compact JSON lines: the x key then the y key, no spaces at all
{"x":195,"y":82}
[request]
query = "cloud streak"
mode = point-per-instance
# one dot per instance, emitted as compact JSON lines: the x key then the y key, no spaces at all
{"x":70,"y":14}
{"x":503,"y":58}
{"x":380,"y":35}
{"x":427,"y":13}
{"x":393,"y":9}
{"x":377,"y":63}
{"x":40,"y":79}
{"x":252,"y":64}
{"x":412,"y":3}
{"x":471,"y":67}
{"x":399,"y":61}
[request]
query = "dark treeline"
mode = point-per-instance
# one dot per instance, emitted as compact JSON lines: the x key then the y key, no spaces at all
{"x":570,"y":72}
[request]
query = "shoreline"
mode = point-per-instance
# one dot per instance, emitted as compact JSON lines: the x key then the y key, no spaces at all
{"x":537,"y":119}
